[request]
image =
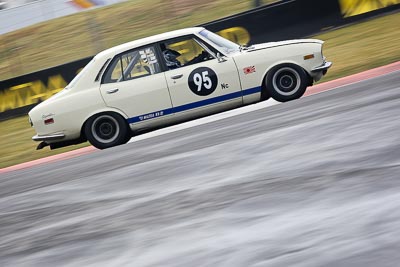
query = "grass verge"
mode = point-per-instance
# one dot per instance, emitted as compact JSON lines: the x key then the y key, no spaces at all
{"x":353,"y":49}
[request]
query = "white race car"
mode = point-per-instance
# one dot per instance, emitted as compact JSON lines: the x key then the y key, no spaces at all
{"x":169,"y":78}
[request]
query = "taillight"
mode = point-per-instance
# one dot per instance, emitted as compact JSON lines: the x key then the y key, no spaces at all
{"x":48,"y":121}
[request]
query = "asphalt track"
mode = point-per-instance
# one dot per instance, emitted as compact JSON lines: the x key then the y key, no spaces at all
{"x":312,"y":182}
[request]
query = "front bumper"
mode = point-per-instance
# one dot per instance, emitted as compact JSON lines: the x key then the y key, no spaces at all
{"x":324,"y":67}
{"x":318,"y":72}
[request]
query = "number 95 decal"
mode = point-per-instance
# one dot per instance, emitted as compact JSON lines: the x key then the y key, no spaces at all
{"x":203,"y":81}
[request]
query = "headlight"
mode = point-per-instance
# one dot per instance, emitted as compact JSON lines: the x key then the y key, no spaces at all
{"x":30,"y":121}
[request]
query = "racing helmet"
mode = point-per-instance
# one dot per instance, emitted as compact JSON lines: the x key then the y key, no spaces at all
{"x":171,"y":58}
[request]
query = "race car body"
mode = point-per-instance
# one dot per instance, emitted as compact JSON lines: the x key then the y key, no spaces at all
{"x":169,"y":78}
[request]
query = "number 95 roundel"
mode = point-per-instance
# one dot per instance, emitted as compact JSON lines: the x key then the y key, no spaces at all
{"x":203,"y":81}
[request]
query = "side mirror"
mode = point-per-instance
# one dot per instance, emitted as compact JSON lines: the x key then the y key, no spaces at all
{"x":220,"y":58}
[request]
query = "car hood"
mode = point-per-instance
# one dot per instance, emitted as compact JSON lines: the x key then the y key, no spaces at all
{"x":281,"y":43}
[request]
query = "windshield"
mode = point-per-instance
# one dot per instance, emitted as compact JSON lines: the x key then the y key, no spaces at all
{"x":80,"y":74}
{"x":223,"y":44}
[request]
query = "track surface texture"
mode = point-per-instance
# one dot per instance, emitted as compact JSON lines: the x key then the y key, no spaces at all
{"x":312,"y":182}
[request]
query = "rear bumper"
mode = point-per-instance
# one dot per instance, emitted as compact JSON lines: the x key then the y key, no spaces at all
{"x":49,"y":137}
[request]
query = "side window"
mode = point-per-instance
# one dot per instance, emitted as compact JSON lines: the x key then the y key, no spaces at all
{"x":133,"y":64}
{"x":183,"y":52}
{"x":116,"y":73}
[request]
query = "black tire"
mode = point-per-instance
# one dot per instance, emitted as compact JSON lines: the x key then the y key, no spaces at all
{"x":107,"y":130}
{"x":264,"y":94}
{"x":286,"y":82}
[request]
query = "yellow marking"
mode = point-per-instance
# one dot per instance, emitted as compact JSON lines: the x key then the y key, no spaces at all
{"x":55,"y":91}
{"x":238,"y":35}
{"x":30,"y":93}
{"x":355,"y":7}
{"x":38,"y":96}
{"x":20,"y":86}
{"x":56,"y":82}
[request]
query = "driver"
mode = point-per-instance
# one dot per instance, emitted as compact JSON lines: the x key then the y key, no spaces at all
{"x":171,"y":58}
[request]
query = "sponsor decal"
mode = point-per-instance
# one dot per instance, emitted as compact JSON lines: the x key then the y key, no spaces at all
{"x":203,"y":81}
{"x":151,"y":115}
{"x":148,"y":56}
{"x":224,"y":86}
{"x":249,"y":70}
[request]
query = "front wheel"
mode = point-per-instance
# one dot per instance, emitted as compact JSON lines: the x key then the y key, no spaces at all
{"x":286,"y":82}
{"x":107,"y":130}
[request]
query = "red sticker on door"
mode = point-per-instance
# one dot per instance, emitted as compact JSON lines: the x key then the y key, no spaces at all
{"x":249,"y":70}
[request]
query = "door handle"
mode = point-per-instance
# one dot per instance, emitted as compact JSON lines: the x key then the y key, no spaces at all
{"x":178,"y":76}
{"x":112,"y":91}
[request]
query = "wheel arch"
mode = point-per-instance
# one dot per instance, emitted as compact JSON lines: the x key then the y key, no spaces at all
{"x":280,"y":63}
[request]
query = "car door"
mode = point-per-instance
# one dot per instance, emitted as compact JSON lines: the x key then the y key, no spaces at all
{"x":198,"y":82}
{"x":134,"y":84}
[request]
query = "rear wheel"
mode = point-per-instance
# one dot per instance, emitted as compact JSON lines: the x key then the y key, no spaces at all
{"x":286,"y":82}
{"x":107,"y":130}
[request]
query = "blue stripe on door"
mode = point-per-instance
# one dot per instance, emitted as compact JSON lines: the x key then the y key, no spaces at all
{"x":193,"y":105}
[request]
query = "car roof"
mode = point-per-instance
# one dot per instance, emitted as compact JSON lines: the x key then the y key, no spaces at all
{"x":147,"y":40}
